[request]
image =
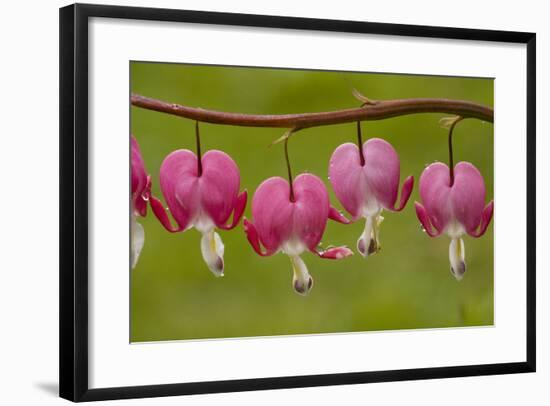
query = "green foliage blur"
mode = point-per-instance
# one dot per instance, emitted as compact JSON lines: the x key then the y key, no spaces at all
{"x":406,"y":285}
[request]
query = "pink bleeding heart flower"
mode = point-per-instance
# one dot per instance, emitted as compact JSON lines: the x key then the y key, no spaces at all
{"x":201,"y":193}
{"x":141,"y":192}
{"x":293,"y":225}
{"x":454,"y":209}
{"x":367,"y":187}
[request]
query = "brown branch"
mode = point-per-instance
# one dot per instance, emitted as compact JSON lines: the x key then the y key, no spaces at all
{"x":379,"y":110}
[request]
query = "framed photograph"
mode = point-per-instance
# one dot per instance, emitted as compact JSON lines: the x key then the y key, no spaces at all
{"x":256,"y":202}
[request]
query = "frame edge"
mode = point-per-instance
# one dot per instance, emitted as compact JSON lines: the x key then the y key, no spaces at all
{"x":67,"y":365}
{"x":73,"y":203}
{"x":531,"y":201}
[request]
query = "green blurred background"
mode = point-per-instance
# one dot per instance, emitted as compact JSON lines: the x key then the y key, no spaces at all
{"x":407,"y":285}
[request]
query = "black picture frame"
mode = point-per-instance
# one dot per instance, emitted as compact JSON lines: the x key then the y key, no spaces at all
{"x":73,"y":180}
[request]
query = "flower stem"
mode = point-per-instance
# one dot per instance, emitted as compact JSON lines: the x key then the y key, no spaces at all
{"x":289,"y":170}
{"x":199,"y":157}
{"x":450,"y":141}
{"x":360,"y":144}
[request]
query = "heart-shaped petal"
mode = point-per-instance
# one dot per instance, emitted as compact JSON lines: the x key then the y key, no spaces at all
{"x":365,"y":189}
{"x":278,"y":219}
{"x":180,"y":186}
{"x":311,"y":209}
{"x":213,"y":193}
{"x":219,"y":186}
{"x":462,"y":202}
{"x":382,"y":170}
{"x":435,"y":194}
{"x":272,"y":211}
{"x":468,"y":195}
{"x":141,"y":183}
{"x":347,"y":178}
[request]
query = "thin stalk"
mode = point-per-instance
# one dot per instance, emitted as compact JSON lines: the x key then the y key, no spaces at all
{"x":199,"y":155}
{"x":360,"y":144}
{"x":289,"y":171}
{"x":450,"y":142}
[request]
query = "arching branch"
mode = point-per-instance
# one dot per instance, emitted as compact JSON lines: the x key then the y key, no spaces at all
{"x":378,"y":110}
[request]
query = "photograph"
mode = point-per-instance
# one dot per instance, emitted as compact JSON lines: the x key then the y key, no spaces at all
{"x":262,"y":203}
{"x":279,"y":200}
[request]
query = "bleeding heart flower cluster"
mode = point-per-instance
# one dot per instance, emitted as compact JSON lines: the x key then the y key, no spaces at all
{"x":454,"y":207}
{"x":203,"y":192}
{"x":293,"y":223}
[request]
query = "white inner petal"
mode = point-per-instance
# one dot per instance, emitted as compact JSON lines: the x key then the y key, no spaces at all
{"x":138,"y":239}
{"x":212,"y":249}
{"x":456,"y":258}
{"x":203,"y":223}
{"x":371,"y":207}
{"x":369,"y":243}
{"x":364,"y":240}
{"x":302,"y":281}
{"x":293,"y":247}
{"x":454,"y":229}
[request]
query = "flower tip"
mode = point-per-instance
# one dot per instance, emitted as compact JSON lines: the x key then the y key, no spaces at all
{"x":212,"y":249}
{"x":456,"y":258}
{"x":372,"y":249}
{"x":459,"y":272}
{"x":361,"y":247}
{"x":217,"y":270}
{"x":216,"y":266}
{"x":302,"y":282}
{"x":301,"y":287}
